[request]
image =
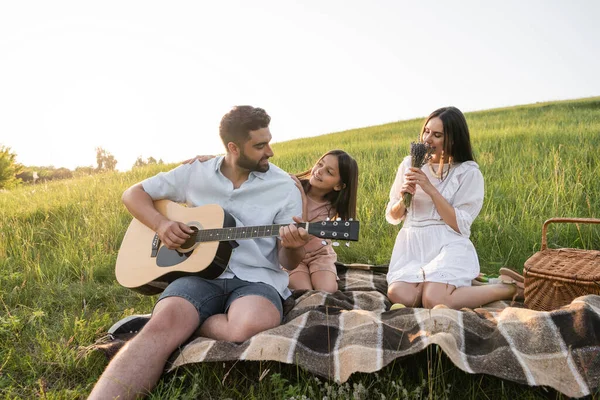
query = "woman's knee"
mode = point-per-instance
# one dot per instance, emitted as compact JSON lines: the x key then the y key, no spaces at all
{"x":433,"y":297}
{"x":404,"y":293}
{"x":395,"y":296}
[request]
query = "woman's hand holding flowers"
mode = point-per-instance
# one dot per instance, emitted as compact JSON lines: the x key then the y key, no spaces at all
{"x":408,"y":187}
{"x":415,"y":176}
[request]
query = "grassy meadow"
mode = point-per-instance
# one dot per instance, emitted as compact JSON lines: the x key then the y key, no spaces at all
{"x":59,"y":242}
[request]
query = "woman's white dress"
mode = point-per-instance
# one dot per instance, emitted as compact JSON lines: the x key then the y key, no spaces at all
{"x":426,"y":248}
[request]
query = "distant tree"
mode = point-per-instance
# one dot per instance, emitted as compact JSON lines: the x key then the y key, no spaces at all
{"x":45,"y":173}
{"x":80,"y":171}
{"x":149,"y":161}
{"x":26,"y":176}
{"x":62,"y":173}
{"x":105,"y":160}
{"x":9,"y":168}
{"x":160,"y":161}
{"x":48,"y":173}
{"x":30,"y":174}
{"x":139,"y":162}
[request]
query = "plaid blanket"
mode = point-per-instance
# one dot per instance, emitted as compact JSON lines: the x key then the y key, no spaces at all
{"x":335,"y":335}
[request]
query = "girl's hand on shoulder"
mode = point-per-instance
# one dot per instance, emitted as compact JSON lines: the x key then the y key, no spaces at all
{"x":415,"y":176}
{"x":303,"y":195}
{"x":299,"y":186}
{"x":198,"y":158}
{"x":297,"y":182}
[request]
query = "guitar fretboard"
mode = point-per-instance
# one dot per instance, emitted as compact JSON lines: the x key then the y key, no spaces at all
{"x":243,"y":232}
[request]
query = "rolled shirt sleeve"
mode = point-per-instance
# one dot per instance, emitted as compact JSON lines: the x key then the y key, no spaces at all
{"x":468,"y":200}
{"x":395,"y":194}
{"x":169,"y":185}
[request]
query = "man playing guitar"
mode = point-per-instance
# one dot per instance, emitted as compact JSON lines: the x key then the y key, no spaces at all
{"x":247,"y":298}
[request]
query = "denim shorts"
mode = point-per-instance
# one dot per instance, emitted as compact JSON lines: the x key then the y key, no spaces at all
{"x":214,"y":296}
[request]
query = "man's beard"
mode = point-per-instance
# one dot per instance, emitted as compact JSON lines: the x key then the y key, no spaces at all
{"x":251,"y":165}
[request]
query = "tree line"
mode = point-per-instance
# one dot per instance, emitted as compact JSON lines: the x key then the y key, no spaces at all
{"x":12,"y":173}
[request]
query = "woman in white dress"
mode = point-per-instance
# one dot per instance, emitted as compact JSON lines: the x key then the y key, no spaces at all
{"x":433,"y":261}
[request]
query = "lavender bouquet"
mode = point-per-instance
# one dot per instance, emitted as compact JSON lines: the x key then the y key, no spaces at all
{"x":420,"y":153}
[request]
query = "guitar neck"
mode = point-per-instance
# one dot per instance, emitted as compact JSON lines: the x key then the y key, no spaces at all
{"x":243,"y":232}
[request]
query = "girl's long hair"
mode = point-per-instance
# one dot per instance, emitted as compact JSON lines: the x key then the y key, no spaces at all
{"x":342,"y":202}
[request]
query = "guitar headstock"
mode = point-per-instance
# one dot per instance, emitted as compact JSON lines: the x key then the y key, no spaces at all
{"x":339,"y":230}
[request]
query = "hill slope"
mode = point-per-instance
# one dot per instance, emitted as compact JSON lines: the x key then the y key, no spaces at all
{"x":59,"y":241}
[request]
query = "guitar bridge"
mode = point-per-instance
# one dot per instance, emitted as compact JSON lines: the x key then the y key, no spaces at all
{"x":155,"y":245}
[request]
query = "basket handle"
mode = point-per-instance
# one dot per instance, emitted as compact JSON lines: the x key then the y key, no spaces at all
{"x":575,"y":220}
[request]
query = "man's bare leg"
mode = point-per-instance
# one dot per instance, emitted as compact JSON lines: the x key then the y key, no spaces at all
{"x":136,"y":368}
{"x":246,"y":317}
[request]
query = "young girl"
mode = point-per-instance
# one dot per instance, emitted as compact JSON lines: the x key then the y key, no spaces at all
{"x":433,"y":261}
{"x":328,"y":191}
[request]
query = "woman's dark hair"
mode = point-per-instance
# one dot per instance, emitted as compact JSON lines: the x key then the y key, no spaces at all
{"x":343,"y":201}
{"x":237,"y":123}
{"x":457,"y":141}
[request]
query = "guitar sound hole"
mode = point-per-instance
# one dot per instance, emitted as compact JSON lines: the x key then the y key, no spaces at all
{"x":191,"y":240}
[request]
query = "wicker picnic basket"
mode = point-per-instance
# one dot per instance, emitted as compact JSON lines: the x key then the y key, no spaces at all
{"x":554,"y":277}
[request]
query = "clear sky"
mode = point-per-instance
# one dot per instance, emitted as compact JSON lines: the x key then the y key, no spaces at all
{"x":149,"y":78}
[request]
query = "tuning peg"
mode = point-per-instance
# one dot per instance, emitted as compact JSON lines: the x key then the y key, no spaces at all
{"x":347,"y":244}
{"x":327,"y":219}
{"x":350,"y":219}
{"x":324,"y":242}
{"x":335,"y":244}
{"x":338,"y":219}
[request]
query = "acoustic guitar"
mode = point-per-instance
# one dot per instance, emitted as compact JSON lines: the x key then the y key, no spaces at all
{"x":147,"y":266}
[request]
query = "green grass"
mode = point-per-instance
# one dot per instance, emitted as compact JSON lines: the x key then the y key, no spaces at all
{"x":59,"y":241}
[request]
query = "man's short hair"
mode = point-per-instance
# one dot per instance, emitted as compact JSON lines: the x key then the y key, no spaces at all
{"x":237,"y":123}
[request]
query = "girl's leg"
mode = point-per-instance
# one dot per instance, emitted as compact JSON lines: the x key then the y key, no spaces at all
{"x":406,"y":293}
{"x":300,"y":280}
{"x":321,"y":264}
{"x":324,"y":280}
{"x":468,"y":296}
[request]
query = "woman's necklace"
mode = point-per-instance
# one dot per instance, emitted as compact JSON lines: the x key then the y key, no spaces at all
{"x":434,"y":173}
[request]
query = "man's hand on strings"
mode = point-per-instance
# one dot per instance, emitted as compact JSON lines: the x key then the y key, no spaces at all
{"x":293,"y":236}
